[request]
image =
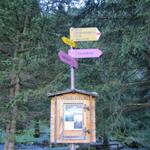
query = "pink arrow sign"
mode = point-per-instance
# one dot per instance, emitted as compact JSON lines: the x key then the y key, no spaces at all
{"x":85,"y":53}
{"x":68,"y":59}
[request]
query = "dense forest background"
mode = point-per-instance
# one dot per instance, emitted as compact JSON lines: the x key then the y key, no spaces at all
{"x":30,"y":39}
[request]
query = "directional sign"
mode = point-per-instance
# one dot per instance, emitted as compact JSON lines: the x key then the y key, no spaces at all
{"x":69,"y":42}
{"x":68,"y":59}
{"x":85,"y":53}
{"x":84,"y":34}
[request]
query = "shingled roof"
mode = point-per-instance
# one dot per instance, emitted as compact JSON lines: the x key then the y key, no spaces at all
{"x":72,"y":91}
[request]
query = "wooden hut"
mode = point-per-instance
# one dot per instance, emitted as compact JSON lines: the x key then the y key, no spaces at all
{"x":72,"y":116}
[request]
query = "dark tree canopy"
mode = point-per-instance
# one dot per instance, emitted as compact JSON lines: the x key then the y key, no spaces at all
{"x":30,"y":39}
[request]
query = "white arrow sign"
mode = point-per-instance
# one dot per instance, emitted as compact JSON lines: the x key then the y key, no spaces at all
{"x":84,"y":34}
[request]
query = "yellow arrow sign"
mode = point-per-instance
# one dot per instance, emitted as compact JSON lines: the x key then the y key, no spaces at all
{"x":69,"y":42}
{"x":84,"y":34}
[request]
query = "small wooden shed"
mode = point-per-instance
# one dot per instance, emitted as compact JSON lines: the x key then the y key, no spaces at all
{"x":72,"y":116}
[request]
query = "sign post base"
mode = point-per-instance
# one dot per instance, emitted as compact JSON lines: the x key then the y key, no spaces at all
{"x":72,"y":147}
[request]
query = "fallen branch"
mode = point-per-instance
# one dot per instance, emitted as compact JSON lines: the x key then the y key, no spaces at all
{"x":5,"y":53}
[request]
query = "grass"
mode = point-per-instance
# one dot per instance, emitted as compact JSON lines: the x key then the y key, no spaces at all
{"x":24,"y":136}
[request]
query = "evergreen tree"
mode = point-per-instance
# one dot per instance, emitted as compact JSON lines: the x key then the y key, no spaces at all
{"x":120,"y":76}
{"x":30,"y":39}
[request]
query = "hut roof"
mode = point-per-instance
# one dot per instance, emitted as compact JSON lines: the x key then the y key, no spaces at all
{"x":72,"y":91}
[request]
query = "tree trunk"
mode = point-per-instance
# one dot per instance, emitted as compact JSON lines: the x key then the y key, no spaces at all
{"x":11,"y":127}
{"x":106,"y":141}
{"x":15,"y":88}
{"x":7,"y":134}
{"x":36,"y":129}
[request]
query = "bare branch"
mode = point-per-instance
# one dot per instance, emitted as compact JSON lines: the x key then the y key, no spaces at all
{"x":4,"y":52}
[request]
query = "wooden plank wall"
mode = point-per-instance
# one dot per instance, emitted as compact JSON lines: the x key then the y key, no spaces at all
{"x":93,"y":119}
{"x":52,"y":121}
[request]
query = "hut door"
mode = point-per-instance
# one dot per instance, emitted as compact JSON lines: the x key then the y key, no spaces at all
{"x":73,"y":120}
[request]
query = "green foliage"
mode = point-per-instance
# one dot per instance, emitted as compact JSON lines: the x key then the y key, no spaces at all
{"x":115,"y":76}
{"x":29,"y":44}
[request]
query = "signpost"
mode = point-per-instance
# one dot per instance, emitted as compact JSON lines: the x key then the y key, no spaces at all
{"x":84,"y":34}
{"x":85,"y":53}
{"x":69,"y":42}
{"x":71,"y":129}
{"x":68,"y":59}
